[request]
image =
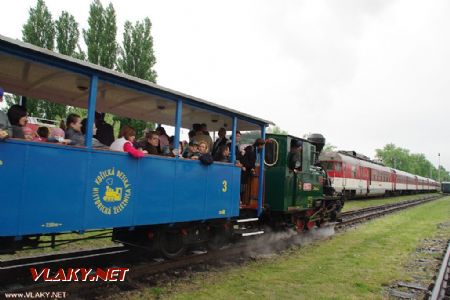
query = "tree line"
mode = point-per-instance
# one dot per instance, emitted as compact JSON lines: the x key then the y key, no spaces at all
{"x":415,"y":163}
{"x":135,"y":56}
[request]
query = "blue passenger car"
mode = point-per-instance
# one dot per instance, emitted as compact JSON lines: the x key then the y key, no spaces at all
{"x":50,"y":188}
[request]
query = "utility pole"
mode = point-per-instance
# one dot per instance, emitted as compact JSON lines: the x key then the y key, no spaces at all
{"x":439,"y":167}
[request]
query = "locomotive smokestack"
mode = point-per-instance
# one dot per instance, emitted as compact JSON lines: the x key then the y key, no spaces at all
{"x":317,"y":140}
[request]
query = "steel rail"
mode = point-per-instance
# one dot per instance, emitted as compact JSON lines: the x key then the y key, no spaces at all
{"x":442,"y":282}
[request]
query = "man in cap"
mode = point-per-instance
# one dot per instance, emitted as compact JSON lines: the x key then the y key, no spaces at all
{"x":5,"y":126}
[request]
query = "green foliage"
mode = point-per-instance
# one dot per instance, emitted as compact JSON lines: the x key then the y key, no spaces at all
{"x":358,"y":264}
{"x":93,"y":35}
{"x":276,"y":130}
{"x":39,"y":30}
{"x":67,"y":34}
{"x":136,"y":55}
{"x":138,"y":125}
{"x":328,"y":147}
{"x":109,"y":47}
{"x":100,"y":37}
{"x":137,"y":59}
{"x":249,"y":137}
{"x":416,"y":163}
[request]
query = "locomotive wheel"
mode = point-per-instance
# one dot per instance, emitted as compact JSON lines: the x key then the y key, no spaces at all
{"x":300,"y":225}
{"x":310,"y":225}
{"x":171,"y":243}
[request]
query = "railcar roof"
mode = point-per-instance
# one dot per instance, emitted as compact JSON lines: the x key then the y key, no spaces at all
{"x":40,"y":73}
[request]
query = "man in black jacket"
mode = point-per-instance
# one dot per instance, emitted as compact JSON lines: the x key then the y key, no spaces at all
{"x":105,"y":132}
{"x":250,"y":157}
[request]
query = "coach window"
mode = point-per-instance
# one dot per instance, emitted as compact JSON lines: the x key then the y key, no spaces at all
{"x":338,"y":166}
{"x":353,"y":172}
{"x":271,"y":153}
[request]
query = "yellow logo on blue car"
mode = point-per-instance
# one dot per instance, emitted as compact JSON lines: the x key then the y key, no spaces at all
{"x":111,"y":192}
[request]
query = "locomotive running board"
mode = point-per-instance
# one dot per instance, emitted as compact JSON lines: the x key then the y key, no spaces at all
{"x":247,"y":220}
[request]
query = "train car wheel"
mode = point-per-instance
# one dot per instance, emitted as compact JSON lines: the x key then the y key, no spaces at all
{"x":171,"y":243}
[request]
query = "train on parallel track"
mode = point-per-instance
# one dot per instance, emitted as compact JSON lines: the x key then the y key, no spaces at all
{"x":353,"y":175}
{"x":165,"y":203}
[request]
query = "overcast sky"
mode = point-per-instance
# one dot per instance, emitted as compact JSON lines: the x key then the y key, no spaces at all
{"x":362,"y":73}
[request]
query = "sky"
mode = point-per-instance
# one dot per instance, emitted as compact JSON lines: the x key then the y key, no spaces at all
{"x":362,"y":73}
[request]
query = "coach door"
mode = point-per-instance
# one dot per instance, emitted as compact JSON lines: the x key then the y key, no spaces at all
{"x":369,"y":179}
{"x":360,"y":179}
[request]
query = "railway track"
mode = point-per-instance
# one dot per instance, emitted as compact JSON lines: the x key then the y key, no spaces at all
{"x":143,"y":266}
{"x":441,"y":288}
{"x":357,"y":216}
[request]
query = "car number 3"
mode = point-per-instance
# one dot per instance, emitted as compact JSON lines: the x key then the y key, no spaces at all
{"x":224,"y":186}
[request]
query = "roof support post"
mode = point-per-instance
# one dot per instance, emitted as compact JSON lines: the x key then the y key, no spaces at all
{"x":233,"y":141}
{"x":261,"y":172}
{"x":91,"y":111}
{"x":178,"y":117}
{"x":23,"y":101}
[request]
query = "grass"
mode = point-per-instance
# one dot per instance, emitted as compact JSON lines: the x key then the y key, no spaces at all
{"x":352,"y":265}
{"x":78,"y":245}
{"x":358,"y":204}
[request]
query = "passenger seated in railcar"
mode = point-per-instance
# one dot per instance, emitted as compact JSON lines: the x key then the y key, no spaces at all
{"x":221,"y":140}
{"x":150,"y":143}
{"x":95,"y":142}
{"x":17,"y":116}
{"x":73,"y":132}
{"x":42,"y":134}
{"x":163,"y":140}
{"x":125,"y":142}
{"x":190,"y":149}
{"x":222,"y":154}
{"x":202,"y":149}
{"x":57,"y":136}
{"x":200,"y":136}
{"x":172,"y":151}
{"x":239,"y":153}
{"x":105,"y":131}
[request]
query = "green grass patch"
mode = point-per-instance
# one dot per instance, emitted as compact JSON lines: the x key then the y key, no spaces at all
{"x":352,"y":265}
{"x":358,"y":204}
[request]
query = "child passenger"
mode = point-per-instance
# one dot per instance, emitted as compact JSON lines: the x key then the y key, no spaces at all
{"x":125,"y":142}
{"x":57,"y":136}
{"x":41,"y":134}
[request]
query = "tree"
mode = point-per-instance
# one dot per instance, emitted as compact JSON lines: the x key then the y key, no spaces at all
{"x":109,"y":47}
{"x":415,"y":163}
{"x":137,"y":59}
{"x":136,"y":55}
{"x":328,"y":147}
{"x":276,"y":130}
{"x":67,"y":34}
{"x":93,"y":35}
{"x":39,"y":29}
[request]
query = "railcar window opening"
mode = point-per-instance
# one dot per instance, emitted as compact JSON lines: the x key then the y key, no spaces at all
{"x":338,"y":166}
{"x":271,"y":152}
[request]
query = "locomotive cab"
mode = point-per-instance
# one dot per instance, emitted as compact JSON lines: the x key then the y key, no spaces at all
{"x":294,"y":182}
